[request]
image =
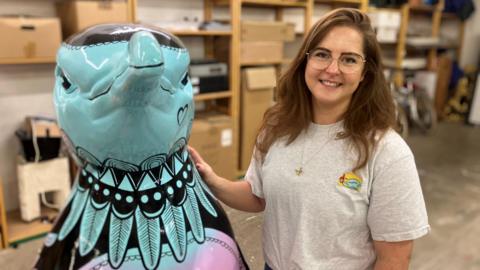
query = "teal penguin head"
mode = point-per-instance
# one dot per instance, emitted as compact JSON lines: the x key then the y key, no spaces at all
{"x":122,"y":94}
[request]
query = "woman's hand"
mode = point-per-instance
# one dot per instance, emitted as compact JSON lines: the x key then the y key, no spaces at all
{"x":207,"y":173}
{"x":236,"y":194}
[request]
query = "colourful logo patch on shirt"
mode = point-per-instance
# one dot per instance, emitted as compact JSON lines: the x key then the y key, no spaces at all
{"x":351,"y":181}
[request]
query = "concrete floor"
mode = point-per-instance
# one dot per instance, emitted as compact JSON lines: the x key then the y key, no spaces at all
{"x":448,"y":161}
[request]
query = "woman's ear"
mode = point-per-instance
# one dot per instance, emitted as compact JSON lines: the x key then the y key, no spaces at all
{"x":364,"y":71}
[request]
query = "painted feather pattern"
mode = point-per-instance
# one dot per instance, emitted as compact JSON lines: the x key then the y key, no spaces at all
{"x":204,"y":200}
{"x":120,"y":230}
{"x":148,"y":233}
{"x":78,"y":204}
{"x":91,"y":206}
{"x":193,"y":215}
{"x":91,"y":227}
{"x":174,"y":223}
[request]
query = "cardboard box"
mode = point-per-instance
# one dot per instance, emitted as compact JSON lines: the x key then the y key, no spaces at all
{"x":28,"y":37}
{"x":387,"y":34}
{"x":78,"y":15}
{"x":389,"y":19}
{"x":267,"y":31}
{"x":257,"y":97}
{"x":212,"y":137}
{"x":43,"y":127}
{"x":257,"y":52}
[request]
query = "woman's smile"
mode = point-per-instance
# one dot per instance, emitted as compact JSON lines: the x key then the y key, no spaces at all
{"x":330,"y":83}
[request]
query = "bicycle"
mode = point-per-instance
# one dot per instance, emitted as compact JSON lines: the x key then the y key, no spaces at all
{"x":414,"y":108}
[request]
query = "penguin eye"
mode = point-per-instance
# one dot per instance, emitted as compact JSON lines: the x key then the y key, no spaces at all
{"x":185,"y":79}
{"x":66,"y":84}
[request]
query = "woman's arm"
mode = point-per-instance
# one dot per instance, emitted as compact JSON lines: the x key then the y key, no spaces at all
{"x":393,"y":255}
{"x":236,"y":194}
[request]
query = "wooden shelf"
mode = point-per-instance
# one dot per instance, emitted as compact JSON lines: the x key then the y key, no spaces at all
{"x":389,"y":9}
{"x":450,"y":15}
{"x":38,"y":60}
{"x":200,"y":33}
{"x":423,"y":8}
{"x":19,"y":230}
{"x":358,"y":2}
{"x":214,"y":95}
{"x":439,"y":45}
{"x":387,"y":43}
{"x":262,"y":63}
{"x":266,"y":3}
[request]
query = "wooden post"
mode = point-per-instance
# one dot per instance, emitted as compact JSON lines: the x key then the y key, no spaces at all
{"x":3,"y":219}
{"x":436,"y":20}
{"x":364,"y":5}
{"x":308,"y":16}
{"x":235,"y":15}
{"x":132,"y":10}
{"x":402,"y":38}
{"x":461,"y":36}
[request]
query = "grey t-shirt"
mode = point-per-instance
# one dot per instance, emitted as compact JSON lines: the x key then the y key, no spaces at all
{"x":327,"y":217}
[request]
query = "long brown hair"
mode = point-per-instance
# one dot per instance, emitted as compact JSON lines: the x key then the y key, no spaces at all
{"x":371,"y":109}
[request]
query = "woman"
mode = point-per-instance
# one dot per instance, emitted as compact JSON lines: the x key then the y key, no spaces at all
{"x":339,"y":187}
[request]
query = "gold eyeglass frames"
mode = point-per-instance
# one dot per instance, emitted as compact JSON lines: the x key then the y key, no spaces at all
{"x":347,"y":63}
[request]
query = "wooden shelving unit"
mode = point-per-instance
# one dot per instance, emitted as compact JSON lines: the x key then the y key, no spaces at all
{"x":19,"y":230}
{"x":436,"y":14}
{"x":14,"y":230}
{"x":236,"y":65}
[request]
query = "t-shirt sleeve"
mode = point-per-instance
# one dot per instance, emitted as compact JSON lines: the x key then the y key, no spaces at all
{"x":254,"y":177}
{"x":397,"y":209}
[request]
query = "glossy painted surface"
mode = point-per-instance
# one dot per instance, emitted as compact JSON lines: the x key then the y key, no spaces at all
{"x":125,"y":104}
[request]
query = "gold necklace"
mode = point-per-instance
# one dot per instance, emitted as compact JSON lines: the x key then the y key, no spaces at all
{"x":299,"y":169}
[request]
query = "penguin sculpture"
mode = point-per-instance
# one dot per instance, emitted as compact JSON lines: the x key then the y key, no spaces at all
{"x":125,"y":104}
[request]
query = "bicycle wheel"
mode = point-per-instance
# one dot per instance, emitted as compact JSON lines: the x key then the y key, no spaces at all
{"x":427,"y":116}
{"x":402,"y":122}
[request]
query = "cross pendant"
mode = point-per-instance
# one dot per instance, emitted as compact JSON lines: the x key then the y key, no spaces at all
{"x":299,"y":171}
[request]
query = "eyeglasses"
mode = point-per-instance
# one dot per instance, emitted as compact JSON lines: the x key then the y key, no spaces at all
{"x":347,"y":63}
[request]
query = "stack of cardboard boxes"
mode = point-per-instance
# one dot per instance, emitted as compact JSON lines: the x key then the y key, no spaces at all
{"x":29,"y":37}
{"x":261,"y":42}
{"x":256,"y":98}
{"x":78,"y":15}
{"x":37,"y":38}
{"x":212,"y":137}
